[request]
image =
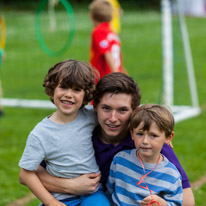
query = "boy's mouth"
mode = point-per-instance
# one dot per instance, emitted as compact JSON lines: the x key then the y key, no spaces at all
{"x":145,"y":148}
{"x":67,"y":102}
{"x":112,"y":126}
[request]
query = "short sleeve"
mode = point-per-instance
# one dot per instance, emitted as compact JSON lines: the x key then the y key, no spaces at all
{"x":33,"y":154}
{"x":101,"y":41}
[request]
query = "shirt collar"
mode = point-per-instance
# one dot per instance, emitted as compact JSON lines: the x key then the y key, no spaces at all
{"x":103,"y":24}
{"x":101,"y":146}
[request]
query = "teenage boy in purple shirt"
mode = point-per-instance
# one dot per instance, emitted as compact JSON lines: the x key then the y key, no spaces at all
{"x":117,"y":95}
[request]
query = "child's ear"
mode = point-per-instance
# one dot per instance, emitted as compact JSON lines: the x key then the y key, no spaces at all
{"x":168,"y":140}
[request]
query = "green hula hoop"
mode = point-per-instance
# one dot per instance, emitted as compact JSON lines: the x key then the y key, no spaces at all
{"x":39,"y":35}
{"x":1,"y":54}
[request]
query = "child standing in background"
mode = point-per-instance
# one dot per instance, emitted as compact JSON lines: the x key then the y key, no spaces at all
{"x":2,"y":56}
{"x":105,"y":51}
{"x":143,"y":176}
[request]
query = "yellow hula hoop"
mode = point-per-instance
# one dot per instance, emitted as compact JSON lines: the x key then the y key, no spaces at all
{"x":115,"y":23}
{"x":3,"y":32}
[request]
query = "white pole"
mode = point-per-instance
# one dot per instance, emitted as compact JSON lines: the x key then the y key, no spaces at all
{"x":188,"y":56}
{"x":28,"y":103}
{"x":167,"y":52}
{"x":52,"y":18}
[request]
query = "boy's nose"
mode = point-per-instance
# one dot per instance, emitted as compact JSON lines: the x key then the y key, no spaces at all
{"x":145,"y":139}
{"x":113,"y":116}
{"x":68,"y":93}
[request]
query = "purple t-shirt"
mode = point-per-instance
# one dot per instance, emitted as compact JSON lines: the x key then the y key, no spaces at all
{"x":104,"y":154}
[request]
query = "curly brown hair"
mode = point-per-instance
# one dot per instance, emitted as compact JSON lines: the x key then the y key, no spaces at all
{"x":71,"y":74}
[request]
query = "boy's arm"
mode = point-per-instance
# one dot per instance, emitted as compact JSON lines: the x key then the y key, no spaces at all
{"x":169,"y":153}
{"x":35,"y":185}
{"x":111,"y":180}
{"x":188,"y":197}
{"x":110,"y":61}
{"x":82,"y":185}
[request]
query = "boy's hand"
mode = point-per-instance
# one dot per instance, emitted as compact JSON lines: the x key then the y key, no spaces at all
{"x":86,"y":184}
{"x":81,"y":185}
{"x":154,"y":198}
{"x":55,"y":202}
{"x":170,"y":144}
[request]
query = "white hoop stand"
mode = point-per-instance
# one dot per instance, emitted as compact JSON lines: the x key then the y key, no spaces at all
{"x":180,"y":112}
{"x":52,"y":18}
{"x":28,"y":103}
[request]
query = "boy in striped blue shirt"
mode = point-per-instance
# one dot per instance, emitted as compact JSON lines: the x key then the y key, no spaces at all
{"x":143,"y":176}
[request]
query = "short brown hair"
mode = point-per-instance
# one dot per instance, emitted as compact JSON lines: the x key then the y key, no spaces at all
{"x":101,"y":10}
{"x":116,"y":83}
{"x":71,"y":73}
{"x":150,"y":113}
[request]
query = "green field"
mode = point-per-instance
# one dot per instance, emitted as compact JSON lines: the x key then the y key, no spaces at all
{"x":25,"y":66}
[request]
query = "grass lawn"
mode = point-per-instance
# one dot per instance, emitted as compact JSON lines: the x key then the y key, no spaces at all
{"x":26,"y":64}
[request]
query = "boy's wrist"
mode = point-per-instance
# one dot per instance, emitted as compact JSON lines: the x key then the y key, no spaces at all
{"x":52,"y":202}
{"x":161,"y":201}
{"x":67,"y":186}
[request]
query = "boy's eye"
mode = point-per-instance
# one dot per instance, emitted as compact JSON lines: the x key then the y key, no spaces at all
{"x":105,"y":108}
{"x":62,"y":87}
{"x":77,"y":89}
{"x":139,"y":133}
{"x":123,"y":110}
{"x":153,"y":135}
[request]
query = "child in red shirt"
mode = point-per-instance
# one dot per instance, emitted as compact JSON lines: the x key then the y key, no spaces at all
{"x":105,"y":52}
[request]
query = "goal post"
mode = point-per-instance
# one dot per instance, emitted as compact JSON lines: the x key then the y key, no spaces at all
{"x":180,"y":112}
{"x":167,"y":52}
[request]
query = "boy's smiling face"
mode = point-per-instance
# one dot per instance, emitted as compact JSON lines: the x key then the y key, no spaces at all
{"x":113,"y":113}
{"x":68,"y":101}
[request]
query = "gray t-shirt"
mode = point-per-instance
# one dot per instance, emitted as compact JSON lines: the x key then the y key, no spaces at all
{"x":66,"y":148}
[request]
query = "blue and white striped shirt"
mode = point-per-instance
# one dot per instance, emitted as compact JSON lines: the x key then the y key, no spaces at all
{"x":126,"y":171}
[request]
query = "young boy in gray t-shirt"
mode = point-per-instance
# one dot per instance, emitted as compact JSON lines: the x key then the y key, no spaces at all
{"x":63,"y":139}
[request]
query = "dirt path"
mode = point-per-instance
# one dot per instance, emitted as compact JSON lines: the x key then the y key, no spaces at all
{"x":22,"y":201}
{"x":198,"y":183}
